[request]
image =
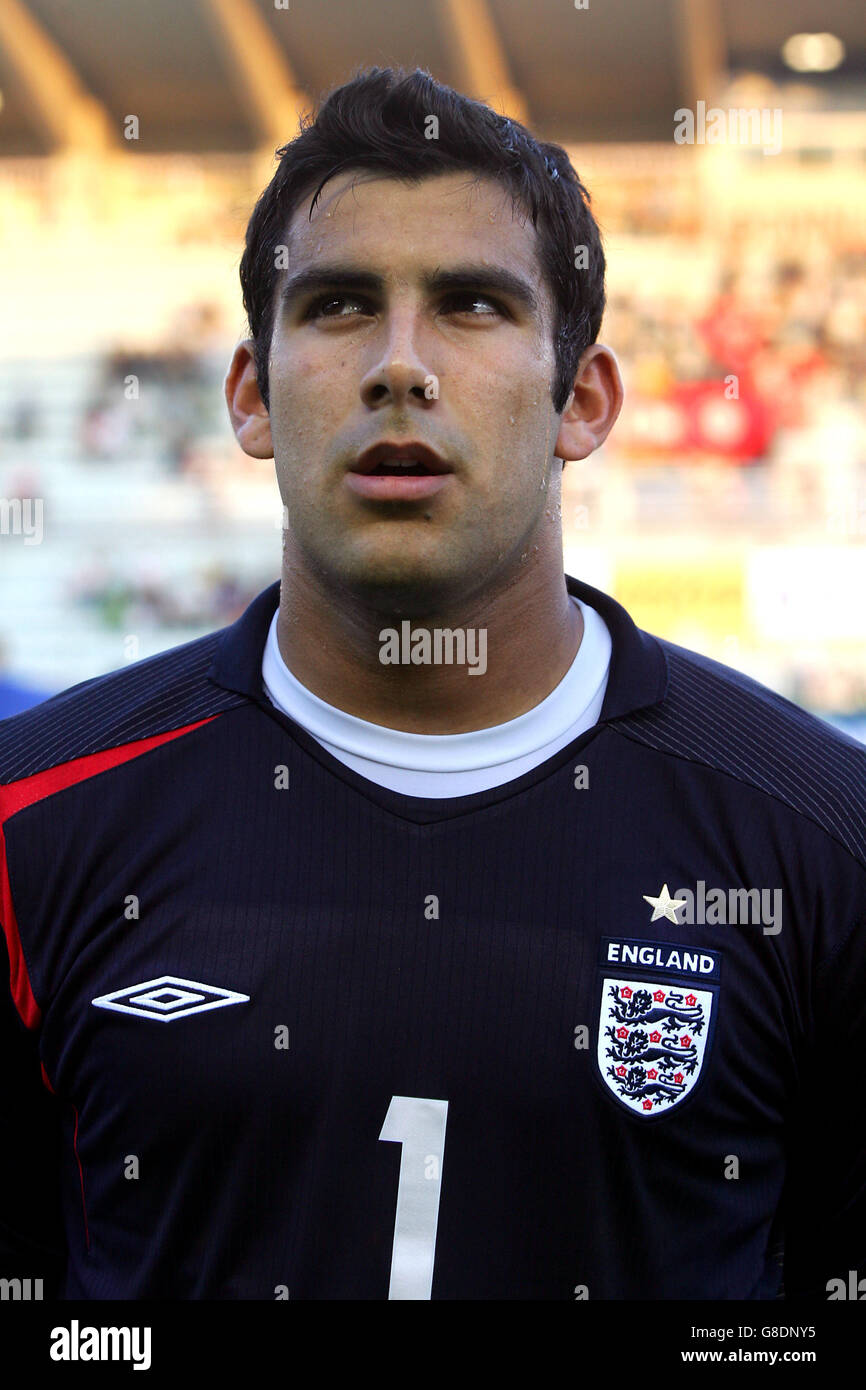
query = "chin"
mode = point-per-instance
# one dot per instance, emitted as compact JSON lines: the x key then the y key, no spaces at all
{"x":404,"y":587}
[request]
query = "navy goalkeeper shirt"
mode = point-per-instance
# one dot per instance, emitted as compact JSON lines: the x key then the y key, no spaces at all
{"x":273,"y":1030}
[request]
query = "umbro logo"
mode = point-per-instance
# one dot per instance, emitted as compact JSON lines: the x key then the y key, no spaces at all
{"x":167,"y":998}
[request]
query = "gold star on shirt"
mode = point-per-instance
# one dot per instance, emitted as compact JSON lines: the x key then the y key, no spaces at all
{"x":664,"y":905}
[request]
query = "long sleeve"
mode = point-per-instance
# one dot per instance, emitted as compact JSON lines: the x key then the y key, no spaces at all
{"x":826,"y":1196}
{"x":32,"y":1244}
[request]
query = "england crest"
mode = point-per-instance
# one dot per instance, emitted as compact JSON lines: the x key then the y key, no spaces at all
{"x":652,"y":1040}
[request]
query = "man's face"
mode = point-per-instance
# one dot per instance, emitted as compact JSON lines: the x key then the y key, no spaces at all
{"x":466,"y":372}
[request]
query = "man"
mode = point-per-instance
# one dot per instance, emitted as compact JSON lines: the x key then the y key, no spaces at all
{"x":344,"y":938}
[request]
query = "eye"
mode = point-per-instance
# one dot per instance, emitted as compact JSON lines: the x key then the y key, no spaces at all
{"x":471,"y":297}
{"x":323,"y":300}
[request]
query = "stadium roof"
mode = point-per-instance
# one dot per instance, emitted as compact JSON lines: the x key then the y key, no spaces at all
{"x":230,"y":75}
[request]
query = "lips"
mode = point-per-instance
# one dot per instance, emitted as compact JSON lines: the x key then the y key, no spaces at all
{"x":429,"y":474}
{"x":394,"y":487}
{"x":384,"y":453}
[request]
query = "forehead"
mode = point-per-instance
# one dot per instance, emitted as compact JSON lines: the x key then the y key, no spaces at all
{"x":400,"y":228}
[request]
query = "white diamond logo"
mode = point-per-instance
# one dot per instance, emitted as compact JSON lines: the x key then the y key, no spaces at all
{"x":168,"y":998}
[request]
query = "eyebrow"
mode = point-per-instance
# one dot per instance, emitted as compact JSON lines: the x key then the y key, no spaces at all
{"x":461,"y":277}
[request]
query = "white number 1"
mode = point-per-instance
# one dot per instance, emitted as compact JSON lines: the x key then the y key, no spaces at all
{"x":419,"y":1125}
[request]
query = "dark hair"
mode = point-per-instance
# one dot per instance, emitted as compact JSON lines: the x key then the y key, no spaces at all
{"x":377,"y":121}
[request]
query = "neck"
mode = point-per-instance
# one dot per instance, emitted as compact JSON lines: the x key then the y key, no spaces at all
{"x":509,"y":649}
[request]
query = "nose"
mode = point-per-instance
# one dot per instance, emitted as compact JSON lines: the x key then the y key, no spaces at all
{"x":400,"y":370}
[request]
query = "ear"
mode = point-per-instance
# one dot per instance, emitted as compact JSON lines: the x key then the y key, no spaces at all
{"x":593,"y":406}
{"x":247,"y":411}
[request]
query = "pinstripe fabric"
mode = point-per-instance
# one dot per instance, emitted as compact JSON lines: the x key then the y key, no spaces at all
{"x":721,"y":718}
{"x":164,"y":692}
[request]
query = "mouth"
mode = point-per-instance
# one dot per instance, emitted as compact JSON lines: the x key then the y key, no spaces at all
{"x":392,"y":472}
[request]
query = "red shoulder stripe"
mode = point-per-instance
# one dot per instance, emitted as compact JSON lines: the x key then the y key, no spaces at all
{"x":14,"y":798}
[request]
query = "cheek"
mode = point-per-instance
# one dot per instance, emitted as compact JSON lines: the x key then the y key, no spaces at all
{"x":304,"y":406}
{"x":523,"y":417}
{"x":303,"y":376}
{"x":520,"y":380}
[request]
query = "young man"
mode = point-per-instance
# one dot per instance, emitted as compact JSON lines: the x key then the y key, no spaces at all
{"x":344,"y":938}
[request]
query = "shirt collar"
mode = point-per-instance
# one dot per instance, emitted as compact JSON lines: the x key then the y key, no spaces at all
{"x":638,"y":674}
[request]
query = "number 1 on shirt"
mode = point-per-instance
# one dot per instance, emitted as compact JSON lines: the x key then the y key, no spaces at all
{"x":419,"y":1125}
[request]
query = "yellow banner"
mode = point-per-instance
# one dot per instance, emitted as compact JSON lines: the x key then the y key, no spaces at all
{"x":677,"y":598}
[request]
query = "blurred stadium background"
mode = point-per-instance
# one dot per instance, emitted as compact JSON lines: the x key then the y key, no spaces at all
{"x":728,"y":509}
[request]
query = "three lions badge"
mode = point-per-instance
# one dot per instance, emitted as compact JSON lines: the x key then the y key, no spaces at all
{"x":657,"y":1015}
